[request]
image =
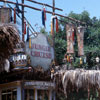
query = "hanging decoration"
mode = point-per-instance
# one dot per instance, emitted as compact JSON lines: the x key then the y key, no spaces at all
{"x":80,"y":39}
{"x":11,"y":18}
{"x":43,"y":16}
{"x":68,"y":58}
{"x":24,"y":27}
{"x":44,"y":13}
{"x":81,"y":62}
{"x":14,"y":15}
{"x":70,"y":40}
{"x":17,"y":7}
{"x":57,"y":27}
{"x":30,"y":43}
{"x":53,"y":18}
{"x":27,"y":32}
{"x":73,"y":33}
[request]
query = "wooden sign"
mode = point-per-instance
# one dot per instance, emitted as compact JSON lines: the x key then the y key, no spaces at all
{"x":41,"y":52}
{"x":39,"y":84}
{"x":18,"y":59}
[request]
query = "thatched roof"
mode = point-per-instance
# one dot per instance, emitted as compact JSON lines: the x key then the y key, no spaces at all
{"x":78,"y":79}
{"x":9,"y":37}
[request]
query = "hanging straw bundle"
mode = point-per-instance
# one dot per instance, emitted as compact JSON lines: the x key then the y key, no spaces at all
{"x":79,"y":79}
{"x":9,"y":37}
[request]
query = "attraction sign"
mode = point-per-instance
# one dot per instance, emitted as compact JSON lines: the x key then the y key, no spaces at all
{"x":41,"y":52}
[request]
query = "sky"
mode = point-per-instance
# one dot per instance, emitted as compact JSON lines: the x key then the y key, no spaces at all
{"x":77,"y":6}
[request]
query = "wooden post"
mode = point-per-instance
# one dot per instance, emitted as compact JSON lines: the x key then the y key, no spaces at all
{"x":5,"y":3}
{"x":54,"y":98}
{"x":18,"y":93}
{"x":99,"y":93}
{"x":50,"y":94}
{"x":28,"y":94}
{"x":54,"y":6}
{"x":36,"y":94}
{"x":22,"y":21}
{"x":0,"y":94}
{"x":53,"y":35}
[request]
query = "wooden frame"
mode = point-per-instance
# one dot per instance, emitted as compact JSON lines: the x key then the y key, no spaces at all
{"x":48,"y":86}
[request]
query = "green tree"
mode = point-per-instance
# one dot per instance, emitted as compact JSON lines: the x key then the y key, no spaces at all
{"x":91,"y":37}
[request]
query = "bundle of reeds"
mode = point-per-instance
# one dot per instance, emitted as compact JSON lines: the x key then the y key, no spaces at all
{"x":79,"y":79}
{"x":9,"y":37}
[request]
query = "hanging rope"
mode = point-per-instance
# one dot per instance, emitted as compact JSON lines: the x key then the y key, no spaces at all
{"x":14,"y":15}
{"x":24,"y":27}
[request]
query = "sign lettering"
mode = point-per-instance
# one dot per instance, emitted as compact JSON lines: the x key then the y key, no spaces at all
{"x":41,"y":51}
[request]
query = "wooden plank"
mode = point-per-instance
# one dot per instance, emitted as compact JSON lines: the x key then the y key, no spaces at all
{"x":50,"y":94}
{"x":44,"y":4}
{"x":9,"y":85}
{"x":46,"y":11}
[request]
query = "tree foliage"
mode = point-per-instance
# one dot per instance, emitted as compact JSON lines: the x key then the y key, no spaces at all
{"x":91,"y":37}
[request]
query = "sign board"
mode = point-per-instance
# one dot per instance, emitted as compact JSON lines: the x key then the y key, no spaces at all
{"x":18,"y":59}
{"x":41,"y":52}
{"x":39,"y":84}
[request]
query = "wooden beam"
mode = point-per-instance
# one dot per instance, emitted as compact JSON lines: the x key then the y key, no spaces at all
{"x":46,"y":11}
{"x":44,"y":4}
{"x":25,"y":19}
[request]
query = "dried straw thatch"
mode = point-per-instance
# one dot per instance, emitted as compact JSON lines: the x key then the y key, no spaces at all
{"x":9,"y":37}
{"x":79,"y":79}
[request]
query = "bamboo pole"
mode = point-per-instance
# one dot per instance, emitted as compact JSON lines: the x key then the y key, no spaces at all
{"x":23,"y":27}
{"x":46,"y":11}
{"x":53,"y":35}
{"x":44,"y":4}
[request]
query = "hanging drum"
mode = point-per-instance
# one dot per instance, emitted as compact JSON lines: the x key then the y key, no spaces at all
{"x":5,"y":15}
{"x":70,"y":41}
{"x":80,"y":40}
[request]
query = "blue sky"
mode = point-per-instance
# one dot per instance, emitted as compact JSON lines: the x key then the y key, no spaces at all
{"x":77,"y":6}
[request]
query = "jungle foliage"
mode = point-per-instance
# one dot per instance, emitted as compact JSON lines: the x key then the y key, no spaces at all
{"x":91,"y":38}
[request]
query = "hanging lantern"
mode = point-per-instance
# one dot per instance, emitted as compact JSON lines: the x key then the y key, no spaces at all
{"x":97,"y":59}
{"x":81,"y":62}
